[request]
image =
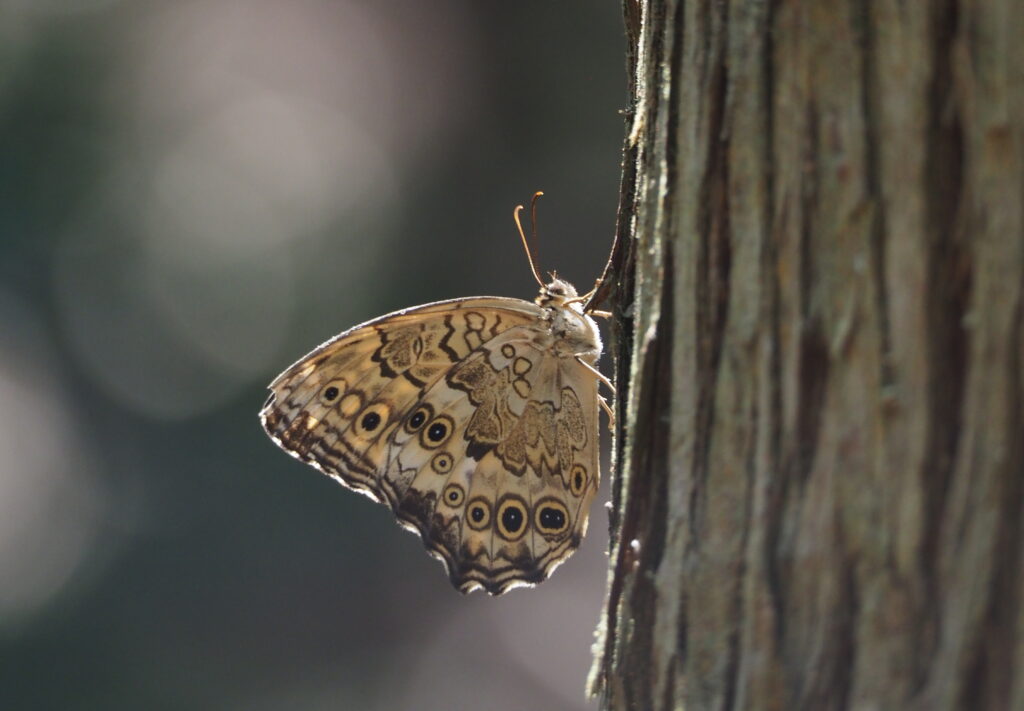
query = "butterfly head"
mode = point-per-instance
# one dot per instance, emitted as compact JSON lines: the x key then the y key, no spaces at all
{"x":556,"y":293}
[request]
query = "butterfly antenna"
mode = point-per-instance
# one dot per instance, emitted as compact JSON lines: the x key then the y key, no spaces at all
{"x":533,"y":223}
{"x":522,"y":235}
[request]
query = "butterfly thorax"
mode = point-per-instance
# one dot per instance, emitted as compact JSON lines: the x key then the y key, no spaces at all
{"x":572,"y":333}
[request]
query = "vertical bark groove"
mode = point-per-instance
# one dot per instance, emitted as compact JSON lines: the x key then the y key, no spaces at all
{"x":873,"y":188}
{"x":949,"y":287}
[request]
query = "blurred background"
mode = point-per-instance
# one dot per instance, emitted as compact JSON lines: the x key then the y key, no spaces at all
{"x":193,"y":194}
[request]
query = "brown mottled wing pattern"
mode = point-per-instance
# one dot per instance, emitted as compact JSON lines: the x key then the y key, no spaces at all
{"x":499,"y":473}
{"x":479,"y":440}
{"x":336,"y":407}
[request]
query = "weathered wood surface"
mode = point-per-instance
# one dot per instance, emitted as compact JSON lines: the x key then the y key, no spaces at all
{"x":821,"y":463}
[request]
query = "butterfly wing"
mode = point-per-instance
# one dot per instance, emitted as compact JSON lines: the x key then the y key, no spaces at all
{"x":479,"y":439}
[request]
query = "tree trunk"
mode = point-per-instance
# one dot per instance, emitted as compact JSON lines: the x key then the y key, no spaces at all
{"x":820,"y":490}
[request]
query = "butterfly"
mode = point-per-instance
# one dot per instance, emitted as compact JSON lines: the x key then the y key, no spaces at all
{"x":475,"y":420}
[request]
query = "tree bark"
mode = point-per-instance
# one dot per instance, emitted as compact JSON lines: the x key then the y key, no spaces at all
{"x":818,"y":281}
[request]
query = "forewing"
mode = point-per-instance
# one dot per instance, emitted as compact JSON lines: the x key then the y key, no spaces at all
{"x":337,"y":407}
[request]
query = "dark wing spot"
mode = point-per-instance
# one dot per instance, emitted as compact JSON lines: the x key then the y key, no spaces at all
{"x":479,"y":514}
{"x":579,"y":479}
{"x":441,"y":463}
{"x":512,"y":519}
{"x":371,"y":420}
{"x":551,"y":518}
{"x":454,"y":494}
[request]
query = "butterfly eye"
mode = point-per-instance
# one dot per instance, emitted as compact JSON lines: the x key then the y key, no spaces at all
{"x":551,"y":517}
{"x":437,"y":432}
{"x":577,"y":479}
{"x":512,"y":518}
{"x":454,"y":495}
{"x":478,"y":514}
{"x":420,"y":415}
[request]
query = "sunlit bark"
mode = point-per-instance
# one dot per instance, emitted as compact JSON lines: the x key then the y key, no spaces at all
{"x":820,"y":487}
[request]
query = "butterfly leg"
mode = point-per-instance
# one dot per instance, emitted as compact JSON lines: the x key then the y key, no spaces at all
{"x":607,"y":383}
{"x":610,"y":411}
{"x":600,"y":314}
{"x":597,"y":374}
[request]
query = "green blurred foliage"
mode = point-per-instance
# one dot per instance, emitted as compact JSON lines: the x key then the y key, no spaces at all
{"x":194,"y":194}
